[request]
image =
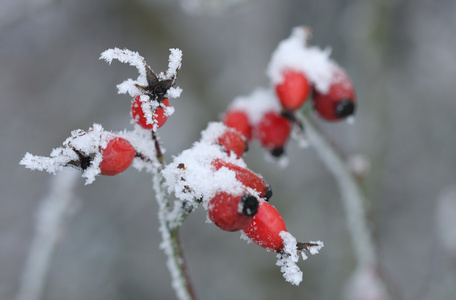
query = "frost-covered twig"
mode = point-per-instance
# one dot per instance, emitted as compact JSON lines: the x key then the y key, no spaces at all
{"x":51,"y":214}
{"x":353,"y":200}
{"x":170,"y":240}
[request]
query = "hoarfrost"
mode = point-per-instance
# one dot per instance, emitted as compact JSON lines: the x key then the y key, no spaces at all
{"x":294,"y":53}
{"x":288,"y":258}
{"x":81,"y":143}
{"x":287,"y":261}
{"x":191,"y":175}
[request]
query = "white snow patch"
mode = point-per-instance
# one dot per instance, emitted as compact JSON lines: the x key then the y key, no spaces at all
{"x":191,"y":175}
{"x":287,"y":261}
{"x":294,"y":53}
{"x":256,"y":104}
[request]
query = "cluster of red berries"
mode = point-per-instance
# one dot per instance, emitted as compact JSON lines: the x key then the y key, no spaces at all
{"x":336,"y":104}
{"x":119,"y":153}
{"x":248,"y":210}
{"x":273,"y":126}
{"x":272,"y":130}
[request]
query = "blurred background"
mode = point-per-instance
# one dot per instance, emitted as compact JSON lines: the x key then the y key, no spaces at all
{"x":401,"y":57}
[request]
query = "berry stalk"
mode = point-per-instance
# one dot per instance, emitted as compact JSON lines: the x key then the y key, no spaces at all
{"x":353,"y":198}
{"x":170,"y":221}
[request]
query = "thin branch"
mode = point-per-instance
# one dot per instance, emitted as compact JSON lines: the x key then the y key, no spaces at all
{"x":51,"y":214}
{"x":352,"y":195}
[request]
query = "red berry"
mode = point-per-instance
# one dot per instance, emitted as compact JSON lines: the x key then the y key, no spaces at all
{"x":246,"y":177}
{"x":266,"y":227}
{"x":339,"y":102}
{"x":238,"y":120}
{"x":117,"y":156}
{"x":230,"y":212}
{"x":293,"y":90}
{"x":273,"y":131}
{"x":158,"y":117}
{"x":232,"y":141}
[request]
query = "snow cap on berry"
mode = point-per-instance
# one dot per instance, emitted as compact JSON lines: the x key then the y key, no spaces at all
{"x":293,"y":53}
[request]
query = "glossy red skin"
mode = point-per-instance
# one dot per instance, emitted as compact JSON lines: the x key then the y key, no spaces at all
{"x":117,"y":157}
{"x":293,"y":90}
{"x":233,"y":141}
{"x":265,"y":228}
{"x":245,"y":176}
{"x":340,"y":89}
{"x":273,"y":130}
{"x":137,"y":114}
{"x":238,"y":120}
{"x":223,"y":210}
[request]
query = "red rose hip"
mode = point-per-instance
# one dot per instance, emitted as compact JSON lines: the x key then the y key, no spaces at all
{"x":273,"y":131}
{"x":265,"y":228}
{"x":158,"y":117}
{"x":116,"y":157}
{"x":238,"y":120}
{"x":233,"y":141}
{"x":293,"y":90}
{"x":339,"y":102}
{"x":246,"y":177}
{"x":232,"y":212}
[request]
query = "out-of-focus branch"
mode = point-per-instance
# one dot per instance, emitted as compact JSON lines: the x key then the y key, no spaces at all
{"x":353,"y":200}
{"x":51,"y":214}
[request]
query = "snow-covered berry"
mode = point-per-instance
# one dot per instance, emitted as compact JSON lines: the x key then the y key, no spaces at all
{"x":233,"y":141}
{"x":159,"y":117}
{"x":339,"y":102}
{"x":246,"y":177}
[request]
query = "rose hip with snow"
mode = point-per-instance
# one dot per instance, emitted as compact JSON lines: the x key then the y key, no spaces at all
{"x":265,"y":228}
{"x":137,"y":113}
{"x":339,"y":102}
{"x":232,"y":212}
{"x":117,"y":156}
{"x":233,"y":141}
{"x":246,"y":177}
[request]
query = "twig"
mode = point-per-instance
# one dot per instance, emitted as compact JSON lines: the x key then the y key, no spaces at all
{"x":51,"y":214}
{"x":351,"y":193}
{"x":170,"y":233}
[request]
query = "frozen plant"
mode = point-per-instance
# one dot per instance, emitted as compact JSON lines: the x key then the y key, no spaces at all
{"x":212,"y":173}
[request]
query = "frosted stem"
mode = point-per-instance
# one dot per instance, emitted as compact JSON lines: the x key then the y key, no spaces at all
{"x":170,"y":222}
{"x":352,"y":196}
{"x":51,"y":214}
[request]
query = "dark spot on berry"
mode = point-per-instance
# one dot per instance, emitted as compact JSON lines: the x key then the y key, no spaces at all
{"x":249,"y":205}
{"x":345,"y":108}
{"x":268,"y":193}
{"x":277,"y":152}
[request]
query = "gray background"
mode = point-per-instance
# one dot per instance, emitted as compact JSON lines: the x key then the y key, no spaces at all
{"x":401,"y":56}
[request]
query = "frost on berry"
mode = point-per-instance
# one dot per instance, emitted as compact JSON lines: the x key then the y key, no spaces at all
{"x":190,"y":175}
{"x":294,"y":53}
{"x":150,"y":114}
